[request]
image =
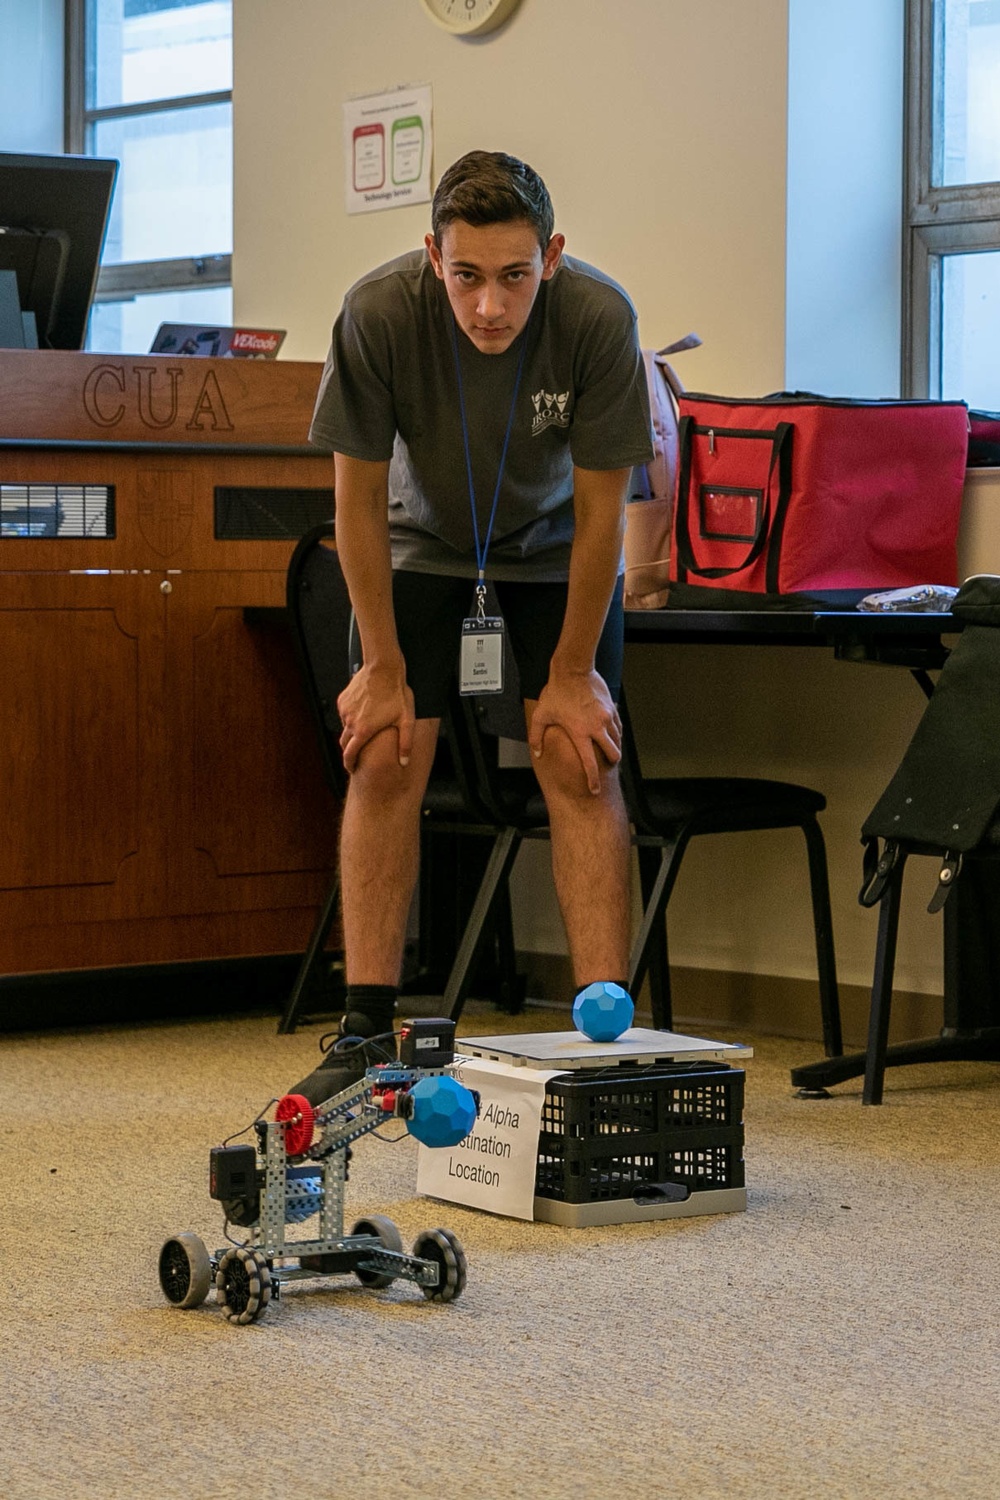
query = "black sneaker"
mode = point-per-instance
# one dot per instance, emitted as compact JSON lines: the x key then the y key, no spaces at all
{"x":345,"y":1063}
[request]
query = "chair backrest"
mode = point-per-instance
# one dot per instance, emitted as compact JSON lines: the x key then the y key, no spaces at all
{"x":321,"y":621}
{"x":946,"y":790}
{"x":328,"y":650}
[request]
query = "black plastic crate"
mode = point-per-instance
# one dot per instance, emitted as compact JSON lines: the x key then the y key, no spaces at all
{"x":608,"y":1133}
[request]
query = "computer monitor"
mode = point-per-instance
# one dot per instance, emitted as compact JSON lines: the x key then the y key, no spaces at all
{"x":53,"y":219}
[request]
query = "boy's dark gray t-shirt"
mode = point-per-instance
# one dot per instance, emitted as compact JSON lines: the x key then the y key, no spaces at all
{"x":389,"y":391}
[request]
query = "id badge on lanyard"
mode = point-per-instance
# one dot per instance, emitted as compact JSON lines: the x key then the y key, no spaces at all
{"x":481,"y":656}
{"x":481,"y":661}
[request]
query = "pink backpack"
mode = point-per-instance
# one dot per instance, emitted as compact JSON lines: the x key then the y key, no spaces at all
{"x":649,"y":505}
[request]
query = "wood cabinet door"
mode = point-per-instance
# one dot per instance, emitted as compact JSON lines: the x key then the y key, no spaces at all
{"x":253,"y":825}
{"x":81,"y":839}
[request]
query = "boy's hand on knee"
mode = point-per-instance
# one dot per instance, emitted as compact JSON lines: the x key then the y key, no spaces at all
{"x":376,"y":698}
{"x":580,"y":705}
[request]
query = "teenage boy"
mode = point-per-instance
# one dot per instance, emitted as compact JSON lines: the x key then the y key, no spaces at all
{"x":485,"y":400}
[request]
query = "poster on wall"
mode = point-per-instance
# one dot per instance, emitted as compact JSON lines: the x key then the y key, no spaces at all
{"x":387,"y":149}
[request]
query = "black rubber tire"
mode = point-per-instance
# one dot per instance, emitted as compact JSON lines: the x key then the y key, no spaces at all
{"x":386,"y":1231}
{"x":185,"y":1270}
{"x":445,"y":1248}
{"x":243,"y":1284}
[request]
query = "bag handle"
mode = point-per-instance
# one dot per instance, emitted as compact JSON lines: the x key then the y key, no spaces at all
{"x":689,"y":341}
{"x":688,"y":563}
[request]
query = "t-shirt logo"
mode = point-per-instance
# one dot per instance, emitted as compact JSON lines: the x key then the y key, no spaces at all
{"x":550,"y":411}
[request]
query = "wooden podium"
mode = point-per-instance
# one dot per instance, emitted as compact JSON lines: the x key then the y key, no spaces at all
{"x":161,"y":796}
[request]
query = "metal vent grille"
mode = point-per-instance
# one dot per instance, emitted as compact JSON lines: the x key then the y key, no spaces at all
{"x":254,"y":514}
{"x":57,"y":510}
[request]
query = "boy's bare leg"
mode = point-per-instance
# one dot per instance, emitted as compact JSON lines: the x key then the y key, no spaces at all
{"x":380,"y":858}
{"x":591,"y":859}
{"x":380,"y":852}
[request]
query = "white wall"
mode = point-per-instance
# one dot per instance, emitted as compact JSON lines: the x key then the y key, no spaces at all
{"x":662,"y":130}
{"x":659,"y":128}
{"x":31,"y":72}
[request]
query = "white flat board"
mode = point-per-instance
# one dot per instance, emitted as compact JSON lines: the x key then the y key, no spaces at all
{"x":571,"y":1049}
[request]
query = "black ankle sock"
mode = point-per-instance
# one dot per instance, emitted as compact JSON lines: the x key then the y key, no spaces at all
{"x":369,"y":1009}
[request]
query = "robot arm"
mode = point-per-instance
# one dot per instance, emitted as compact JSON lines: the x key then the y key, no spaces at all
{"x":435,"y":1107}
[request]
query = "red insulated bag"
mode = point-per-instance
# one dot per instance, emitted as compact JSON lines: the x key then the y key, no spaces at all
{"x":797,"y":492}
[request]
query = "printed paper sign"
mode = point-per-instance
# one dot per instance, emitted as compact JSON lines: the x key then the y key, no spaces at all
{"x":387,"y":149}
{"x":494,"y":1167}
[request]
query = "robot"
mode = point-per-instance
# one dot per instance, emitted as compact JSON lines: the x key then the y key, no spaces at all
{"x":298,"y":1169}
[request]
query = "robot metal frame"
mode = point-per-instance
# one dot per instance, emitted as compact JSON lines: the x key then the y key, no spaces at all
{"x":298,"y":1169}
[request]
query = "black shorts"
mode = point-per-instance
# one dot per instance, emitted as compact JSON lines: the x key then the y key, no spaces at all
{"x":429,"y":612}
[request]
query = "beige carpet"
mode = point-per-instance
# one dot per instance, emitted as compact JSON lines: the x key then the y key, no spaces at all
{"x":838,"y":1339}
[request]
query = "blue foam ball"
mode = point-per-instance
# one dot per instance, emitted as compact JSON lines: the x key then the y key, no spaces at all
{"x":444,"y":1111}
{"x":603,"y":1011}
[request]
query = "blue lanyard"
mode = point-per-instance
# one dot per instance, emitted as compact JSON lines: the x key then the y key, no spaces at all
{"x":483,"y":546}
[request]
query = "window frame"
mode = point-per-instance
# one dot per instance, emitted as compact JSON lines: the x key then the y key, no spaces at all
{"x":129,"y":279}
{"x":940,"y":221}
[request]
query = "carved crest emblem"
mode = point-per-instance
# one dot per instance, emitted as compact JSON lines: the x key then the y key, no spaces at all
{"x":166,"y":509}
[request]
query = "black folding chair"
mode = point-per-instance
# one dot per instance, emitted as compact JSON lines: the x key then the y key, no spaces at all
{"x":321,"y":621}
{"x":944,"y":800}
{"x":667,"y":812}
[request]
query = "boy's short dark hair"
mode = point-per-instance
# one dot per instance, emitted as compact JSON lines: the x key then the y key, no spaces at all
{"x":490,"y":187}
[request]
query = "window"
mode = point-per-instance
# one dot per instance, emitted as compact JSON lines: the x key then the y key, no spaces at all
{"x":150,"y":83}
{"x":952,"y":320}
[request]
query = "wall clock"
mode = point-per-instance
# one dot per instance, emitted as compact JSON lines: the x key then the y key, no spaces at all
{"x":469,"y":17}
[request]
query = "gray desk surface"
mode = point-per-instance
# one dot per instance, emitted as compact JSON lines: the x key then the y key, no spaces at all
{"x":832,"y":620}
